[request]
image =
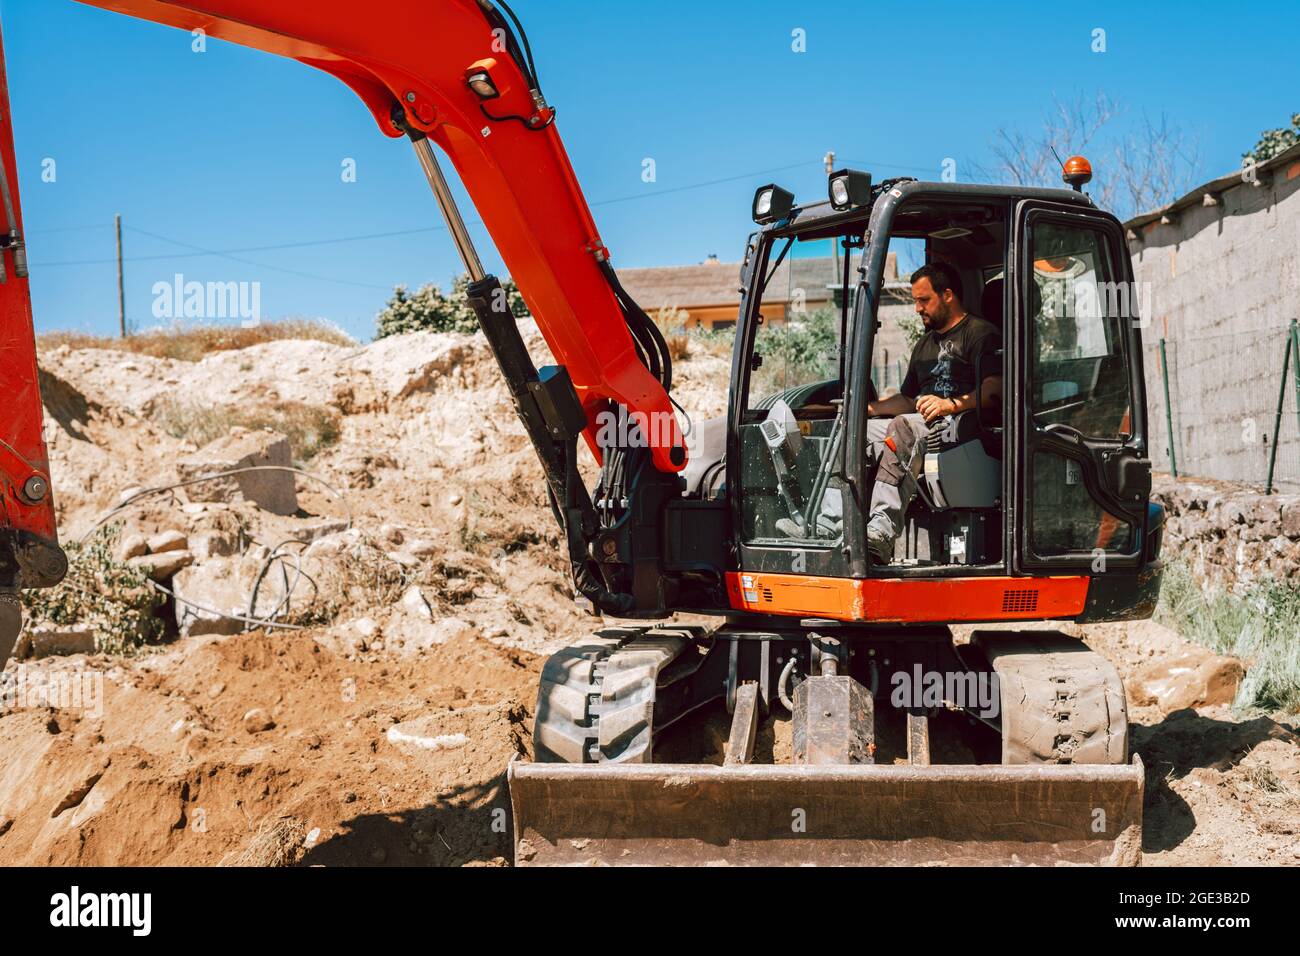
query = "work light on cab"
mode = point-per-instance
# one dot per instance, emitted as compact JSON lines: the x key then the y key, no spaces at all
{"x":849,"y":188}
{"x":772,"y":204}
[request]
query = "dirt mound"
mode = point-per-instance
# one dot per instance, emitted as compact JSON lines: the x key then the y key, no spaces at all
{"x":165,"y":769}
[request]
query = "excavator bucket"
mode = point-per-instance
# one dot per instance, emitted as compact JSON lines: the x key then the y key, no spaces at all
{"x":854,"y":815}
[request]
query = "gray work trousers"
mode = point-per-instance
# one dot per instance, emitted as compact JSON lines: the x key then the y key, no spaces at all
{"x":897,"y":472}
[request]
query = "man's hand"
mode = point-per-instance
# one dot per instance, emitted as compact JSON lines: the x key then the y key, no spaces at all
{"x":932,"y":407}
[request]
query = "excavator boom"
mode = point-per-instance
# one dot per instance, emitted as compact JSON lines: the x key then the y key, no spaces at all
{"x":411,"y":63}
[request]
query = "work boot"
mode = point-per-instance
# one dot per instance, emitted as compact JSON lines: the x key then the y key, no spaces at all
{"x":880,"y":539}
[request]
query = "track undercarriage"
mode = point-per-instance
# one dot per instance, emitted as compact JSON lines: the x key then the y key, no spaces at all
{"x":824,"y":743}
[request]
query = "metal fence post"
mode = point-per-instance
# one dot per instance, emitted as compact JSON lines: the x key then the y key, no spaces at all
{"x":1294,"y":342}
{"x":1291,"y":343}
{"x":1169,"y":411}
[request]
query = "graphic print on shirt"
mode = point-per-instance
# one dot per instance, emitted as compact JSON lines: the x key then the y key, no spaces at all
{"x":945,"y":385}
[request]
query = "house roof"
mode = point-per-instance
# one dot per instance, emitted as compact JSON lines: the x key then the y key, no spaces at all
{"x":1196,"y":197}
{"x":718,"y":283}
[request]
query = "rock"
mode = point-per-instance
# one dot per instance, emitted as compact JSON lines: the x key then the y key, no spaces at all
{"x":455,"y":499}
{"x":214,"y":544}
{"x":416,"y":635}
{"x":57,"y":640}
{"x":221,"y":588}
{"x":5,"y":824}
{"x":1291,"y":520}
{"x":365,"y":627}
{"x":128,"y":493}
{"x":415,"y":604}
{"x":77,"y":793}
{"x":403,"y":559}
{"x":422,"y":548}
{"x":162,"y":567}
{"x":1192,"y":678}
{"x":392,"y":533}
{"x":258,"y":720}
{"x":172,"y":540}
{"x":333,"y":544}
{"x":132,"y":546}
{"x":272,"y":491}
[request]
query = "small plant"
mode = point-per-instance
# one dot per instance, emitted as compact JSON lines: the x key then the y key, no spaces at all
{"x":102,"y":592}
{"x":672,"y":324}
{"x":913,"y":328}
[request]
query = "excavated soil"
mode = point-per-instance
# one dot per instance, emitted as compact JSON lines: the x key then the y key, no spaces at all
{"x":383,"y":736}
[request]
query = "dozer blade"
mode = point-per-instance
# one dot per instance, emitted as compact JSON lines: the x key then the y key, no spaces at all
{"x":848,"y":815}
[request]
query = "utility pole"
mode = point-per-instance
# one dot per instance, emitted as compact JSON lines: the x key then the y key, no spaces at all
{"x":121,"y":295}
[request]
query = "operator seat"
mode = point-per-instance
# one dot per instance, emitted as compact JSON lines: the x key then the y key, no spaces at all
{"x":991,"y":302}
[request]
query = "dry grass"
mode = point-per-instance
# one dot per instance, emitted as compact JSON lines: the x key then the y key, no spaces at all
{"x":189,"y":343}
{"x":309,"y":428}
{"x":672,"y":323}
{"x":276,"y":843}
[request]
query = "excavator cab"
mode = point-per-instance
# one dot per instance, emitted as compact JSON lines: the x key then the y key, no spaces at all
{"x":1064,"y":449}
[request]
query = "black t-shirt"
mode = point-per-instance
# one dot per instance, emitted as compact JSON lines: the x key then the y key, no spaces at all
{"x":944,"y":365}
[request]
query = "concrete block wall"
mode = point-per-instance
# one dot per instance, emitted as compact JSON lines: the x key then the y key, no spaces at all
{"x":1224,"y":284}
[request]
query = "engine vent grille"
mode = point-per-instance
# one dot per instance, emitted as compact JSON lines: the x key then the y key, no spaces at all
{"x":767,"y":594}
{"x":1019,"y":601}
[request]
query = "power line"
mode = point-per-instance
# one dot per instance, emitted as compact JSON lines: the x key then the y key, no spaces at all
{"x":260,"y":265}
{"x":231,"y":254}
{"x":228,"y":253}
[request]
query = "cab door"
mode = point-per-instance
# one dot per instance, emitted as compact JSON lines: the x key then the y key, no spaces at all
{"x":1082,"y":477}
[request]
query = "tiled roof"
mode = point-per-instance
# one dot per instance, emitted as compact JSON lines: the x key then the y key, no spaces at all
{"x":718,"y":283}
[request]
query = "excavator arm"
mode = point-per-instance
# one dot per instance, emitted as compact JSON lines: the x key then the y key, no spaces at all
{"x":29,"y":551}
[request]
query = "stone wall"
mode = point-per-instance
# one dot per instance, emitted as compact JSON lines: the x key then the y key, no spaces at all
{"x":1231,"y":536}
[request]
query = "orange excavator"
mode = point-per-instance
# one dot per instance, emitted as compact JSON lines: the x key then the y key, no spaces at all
{"x":857,"y":726}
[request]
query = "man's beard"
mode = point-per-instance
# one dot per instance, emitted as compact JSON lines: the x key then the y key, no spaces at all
{"x":938,"y":321}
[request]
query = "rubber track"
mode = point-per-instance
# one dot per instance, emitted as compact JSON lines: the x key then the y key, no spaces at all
{"x":595,"y":701}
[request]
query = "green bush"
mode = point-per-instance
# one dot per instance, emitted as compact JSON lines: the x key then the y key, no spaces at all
{"x":428,"y":308}
{"x":102,"y":592}
{"x":808,"y":346}
{"x":1274,"y":141}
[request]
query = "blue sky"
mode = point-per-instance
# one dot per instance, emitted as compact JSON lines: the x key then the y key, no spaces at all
{"x":232,"y":149}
